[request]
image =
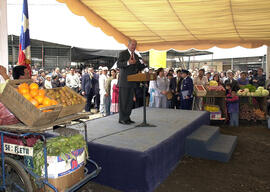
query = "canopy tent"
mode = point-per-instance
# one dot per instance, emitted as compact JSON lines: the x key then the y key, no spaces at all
{"x":179,"y":24}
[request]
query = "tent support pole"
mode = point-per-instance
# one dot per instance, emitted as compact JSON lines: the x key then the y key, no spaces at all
{"x":267,"y":66}
{"x":3,"y":34}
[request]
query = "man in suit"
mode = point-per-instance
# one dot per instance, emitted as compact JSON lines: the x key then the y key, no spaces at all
{"x":186,"y":91}
{"x":175,"y":85}
{"x":129,"y":63}
{"x":87,"y":89}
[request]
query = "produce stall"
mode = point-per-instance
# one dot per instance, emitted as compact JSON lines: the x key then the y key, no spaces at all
{"x":213,"y":100}
{"x":56,"y":163}
{"x":252,"y":103}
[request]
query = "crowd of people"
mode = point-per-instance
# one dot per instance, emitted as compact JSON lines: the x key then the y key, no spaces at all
{"x":173,"y":88}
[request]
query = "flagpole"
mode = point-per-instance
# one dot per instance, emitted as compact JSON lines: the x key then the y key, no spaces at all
{"x":3,"y":34}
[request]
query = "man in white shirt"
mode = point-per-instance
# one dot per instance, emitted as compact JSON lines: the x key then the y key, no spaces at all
{"x":73,"y":80}
{"x":102,"y":90}
{"x":201,"y":79}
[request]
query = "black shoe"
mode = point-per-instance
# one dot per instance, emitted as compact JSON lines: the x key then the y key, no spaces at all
{"x":130,"y":121}
{"x":124,"y":122}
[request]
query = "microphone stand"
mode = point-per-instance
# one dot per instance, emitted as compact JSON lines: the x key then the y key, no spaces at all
{"x":144,"y":123}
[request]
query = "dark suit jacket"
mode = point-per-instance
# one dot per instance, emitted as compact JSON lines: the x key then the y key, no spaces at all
{"x":87,"y":84}
{"x":126,"y":70}
{"x":234,"y":84}
{"x":187,"y":85}
{"x":173,"y":84}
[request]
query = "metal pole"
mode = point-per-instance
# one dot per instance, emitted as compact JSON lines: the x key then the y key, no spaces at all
{"x":3,"y":35}
{"x":232,"y":64}
{"x":267,"y":67}
{"x":144,"y":104}
{"x":3,"y":161}
{"x":13,"y":51}
{"x":42,"y":55}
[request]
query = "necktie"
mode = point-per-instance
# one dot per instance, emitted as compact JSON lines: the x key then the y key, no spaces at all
{"x":132,"y":57}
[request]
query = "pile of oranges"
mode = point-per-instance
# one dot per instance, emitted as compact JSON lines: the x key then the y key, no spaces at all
{"x":35,"y":95}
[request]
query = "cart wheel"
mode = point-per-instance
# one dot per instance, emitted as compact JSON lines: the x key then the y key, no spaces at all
{"x":16,"y":177}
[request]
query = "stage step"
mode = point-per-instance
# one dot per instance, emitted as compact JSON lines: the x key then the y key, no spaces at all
{"x":207,"y":142}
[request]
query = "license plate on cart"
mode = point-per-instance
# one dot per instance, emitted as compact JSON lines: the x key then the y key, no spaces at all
{"x":18,"y":149}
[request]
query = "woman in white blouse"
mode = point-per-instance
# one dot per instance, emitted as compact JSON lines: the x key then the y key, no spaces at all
{"x":161,"y":87}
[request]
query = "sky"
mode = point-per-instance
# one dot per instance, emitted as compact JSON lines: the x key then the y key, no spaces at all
{"x":52,"y":21}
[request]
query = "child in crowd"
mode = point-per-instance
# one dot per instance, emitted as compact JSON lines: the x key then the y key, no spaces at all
{"x":232,"y":105}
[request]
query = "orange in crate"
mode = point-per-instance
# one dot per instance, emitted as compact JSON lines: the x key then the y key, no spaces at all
{"x":53,"y":102}
{"x":41,"y":92}
{"x":33,"y":92}
{"x":47,"y":101}
{"x":23,"y":85}
{"x":33,"y":86}
{"x":23,"y":90}
{"x":27,"y":96}
{"x":39,"y":98}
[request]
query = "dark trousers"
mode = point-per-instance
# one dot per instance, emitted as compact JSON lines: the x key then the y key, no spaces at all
{"x":89,"y":98}
{"x":175,"y":103}
{"x":186,"y":104}
{"x":97,"y":101}
{"x":125,"y":103}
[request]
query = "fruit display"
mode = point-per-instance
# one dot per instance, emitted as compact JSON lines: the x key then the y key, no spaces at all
{"x":200,"y":90}
{"x":215,"y":91}
{"x":35,"y":95}
{"x":64,"y":96}
{"x":211,"y":108}
{"x":215,"y":88}
{"x":57,"y":146}
{"x":213,"y":83}
{"x":251,"y":92}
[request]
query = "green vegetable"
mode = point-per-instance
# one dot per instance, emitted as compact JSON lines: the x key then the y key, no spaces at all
{"x":250,"y":87}
{"x":57,"y":146}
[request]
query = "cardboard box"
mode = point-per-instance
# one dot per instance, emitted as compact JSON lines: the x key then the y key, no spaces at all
{"x":59,"y":167}
{"x":215,"y":115}
{"x":64,"y":182}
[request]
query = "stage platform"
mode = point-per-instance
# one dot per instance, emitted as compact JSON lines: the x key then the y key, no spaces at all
{"x":138,"y":159}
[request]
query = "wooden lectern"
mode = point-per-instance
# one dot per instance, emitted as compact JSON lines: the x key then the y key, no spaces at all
{"x":143,"y":78}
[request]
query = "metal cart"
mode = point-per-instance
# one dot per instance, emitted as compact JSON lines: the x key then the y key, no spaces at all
{"x":16,"y":170}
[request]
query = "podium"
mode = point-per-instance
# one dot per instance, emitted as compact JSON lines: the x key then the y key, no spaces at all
{"x":143,"y":78}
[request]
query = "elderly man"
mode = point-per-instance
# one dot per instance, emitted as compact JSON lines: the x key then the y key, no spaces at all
{"x":87,"y":89}
{"x":129,"y":63}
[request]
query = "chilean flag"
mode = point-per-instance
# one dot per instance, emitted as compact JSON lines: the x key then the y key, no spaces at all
{"x":24,"y":47}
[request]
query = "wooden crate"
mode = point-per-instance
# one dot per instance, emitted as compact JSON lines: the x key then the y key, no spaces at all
{"x":24,"y":110}
{"x":200,"y":90}
{"x":72,"y":109}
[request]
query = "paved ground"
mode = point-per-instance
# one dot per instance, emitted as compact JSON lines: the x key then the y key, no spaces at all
{"x":247,"y":171}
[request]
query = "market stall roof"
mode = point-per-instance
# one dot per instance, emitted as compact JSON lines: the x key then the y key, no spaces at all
{"x":179,"y":24}
{"x":189,"y":53}
{"x":80,"y":54}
